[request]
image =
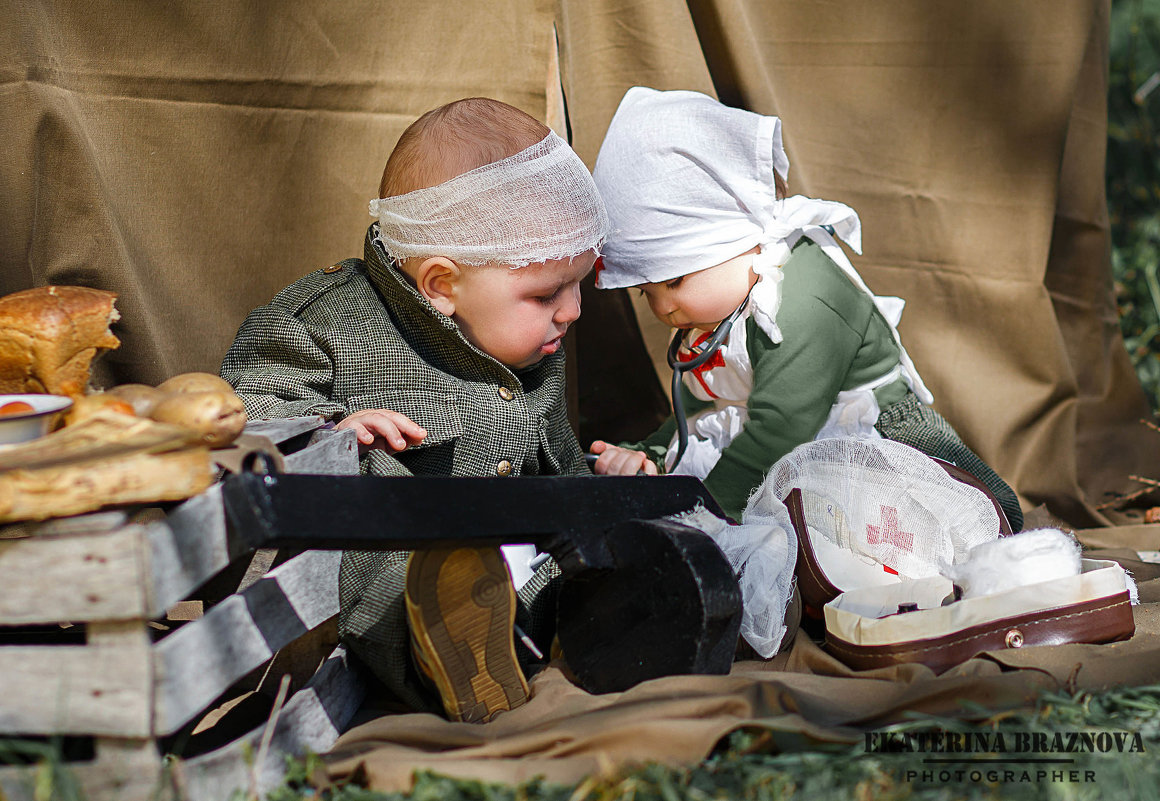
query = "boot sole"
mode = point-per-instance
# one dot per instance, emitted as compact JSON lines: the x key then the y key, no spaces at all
{"x":461,"y":607}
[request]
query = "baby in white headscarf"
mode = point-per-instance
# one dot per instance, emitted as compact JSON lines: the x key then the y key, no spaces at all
{"x":701,"y":226}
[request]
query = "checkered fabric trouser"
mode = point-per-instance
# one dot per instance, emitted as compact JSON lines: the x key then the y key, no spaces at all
{"x":912,"y":423}
{"x":372,"y":620}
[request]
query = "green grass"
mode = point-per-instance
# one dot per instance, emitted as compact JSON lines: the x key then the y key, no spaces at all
{"x":752,"y":764}
{"x":1133,"y":183}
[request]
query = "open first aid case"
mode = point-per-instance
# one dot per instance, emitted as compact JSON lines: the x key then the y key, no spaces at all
{"x":875,"y":617}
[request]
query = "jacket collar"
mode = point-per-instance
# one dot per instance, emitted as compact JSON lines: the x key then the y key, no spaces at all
{"x":407,"y":305}
{"x":420,"y":322}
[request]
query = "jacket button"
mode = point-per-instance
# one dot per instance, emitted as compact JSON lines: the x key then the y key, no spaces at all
{"x":332,"y":268}
{"x":506,"y":393}
{"x":504,"y":468}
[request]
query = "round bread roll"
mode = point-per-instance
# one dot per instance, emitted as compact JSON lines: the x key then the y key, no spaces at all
{"x":195,"y":382}
{"x":89,"y":405}
{"x":218,"y":416}
{"x":141,"y":397}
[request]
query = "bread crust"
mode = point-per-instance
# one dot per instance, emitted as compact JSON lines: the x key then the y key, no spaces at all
{"x":50,"y":335}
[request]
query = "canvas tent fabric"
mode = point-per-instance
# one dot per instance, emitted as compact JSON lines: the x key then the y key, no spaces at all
{"x":196,"y":157}
{"x":971,"y":142}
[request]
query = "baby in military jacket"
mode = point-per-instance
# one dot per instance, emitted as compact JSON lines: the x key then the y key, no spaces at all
{"x":442,"y":349}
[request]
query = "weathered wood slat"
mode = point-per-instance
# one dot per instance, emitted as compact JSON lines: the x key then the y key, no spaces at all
{"x":125,"y":691}
{"x":196,"y":547}
{"x":60,"y":526}
{"x":90,"y":569}
{"x":281,"y":429}
{"x":311,"y":720}
{"x":331,"y":453}
{"x":97,"y":688}
{"x":102,"y":687}
{"x":199,"y":661}
{"x":130,"y":770}
{"x":94,"y":577}
{"x":187,"y":549}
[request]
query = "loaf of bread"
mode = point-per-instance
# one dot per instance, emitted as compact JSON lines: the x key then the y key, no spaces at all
{"x":50,"y":335}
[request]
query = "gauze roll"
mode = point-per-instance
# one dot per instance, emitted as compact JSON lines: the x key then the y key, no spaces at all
{"x":537,"y":205}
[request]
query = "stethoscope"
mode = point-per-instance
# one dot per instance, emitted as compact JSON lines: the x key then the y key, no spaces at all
{"x":702,"y":353}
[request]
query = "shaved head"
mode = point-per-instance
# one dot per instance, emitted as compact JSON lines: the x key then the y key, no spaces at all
{"x":454,"y":139}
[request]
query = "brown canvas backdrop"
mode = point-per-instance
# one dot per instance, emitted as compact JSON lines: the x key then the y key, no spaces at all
{"x":195,"y":157}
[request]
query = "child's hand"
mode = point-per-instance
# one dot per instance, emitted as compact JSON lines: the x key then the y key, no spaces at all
{"x":616,"y":461}
{"x":384,"y":430}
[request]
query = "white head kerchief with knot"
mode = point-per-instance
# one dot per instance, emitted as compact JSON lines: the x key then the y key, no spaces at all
{"x":537,"y":205}
{"x":688,"y":184}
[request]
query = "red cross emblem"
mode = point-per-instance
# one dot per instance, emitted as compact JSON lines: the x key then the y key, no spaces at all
{"x":716,"y":360}
{"x":889,"y":531}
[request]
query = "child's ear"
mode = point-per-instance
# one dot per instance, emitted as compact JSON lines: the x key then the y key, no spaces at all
{"x":437,"y":279}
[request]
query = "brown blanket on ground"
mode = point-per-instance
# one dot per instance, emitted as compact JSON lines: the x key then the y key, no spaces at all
{"x":564,"y":734}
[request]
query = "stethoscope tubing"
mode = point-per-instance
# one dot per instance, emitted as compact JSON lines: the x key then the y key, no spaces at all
{"x":711,"y":346}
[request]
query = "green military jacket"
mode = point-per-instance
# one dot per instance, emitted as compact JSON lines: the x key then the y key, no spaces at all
{"x":834,"y":339}
{"x":357,"y":336}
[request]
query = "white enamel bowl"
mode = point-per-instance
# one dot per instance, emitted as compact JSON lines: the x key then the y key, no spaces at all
{"x":28,"y":425}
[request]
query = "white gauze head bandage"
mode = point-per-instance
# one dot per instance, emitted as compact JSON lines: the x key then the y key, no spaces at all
{"x":688,"y":183}
{"x":537,"y":205}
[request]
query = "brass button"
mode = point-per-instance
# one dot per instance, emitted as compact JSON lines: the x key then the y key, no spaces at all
{"x":506,"y":393}
{"x":504,"y":468}
{"x":332,"y":268}
{"x":1014,"y":639}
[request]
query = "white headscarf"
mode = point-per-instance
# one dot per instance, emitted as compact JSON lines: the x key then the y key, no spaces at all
{"x":688,"y":184}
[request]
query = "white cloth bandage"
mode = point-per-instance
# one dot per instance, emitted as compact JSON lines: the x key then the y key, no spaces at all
{"x":762,"y":552}
{"x":537,"y":205}
{"x":882,"y":501}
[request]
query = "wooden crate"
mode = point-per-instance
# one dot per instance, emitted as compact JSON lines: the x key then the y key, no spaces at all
{"x":115,"y":578}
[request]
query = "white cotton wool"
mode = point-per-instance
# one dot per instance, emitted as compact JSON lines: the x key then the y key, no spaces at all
{"x":1006,"y":563}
